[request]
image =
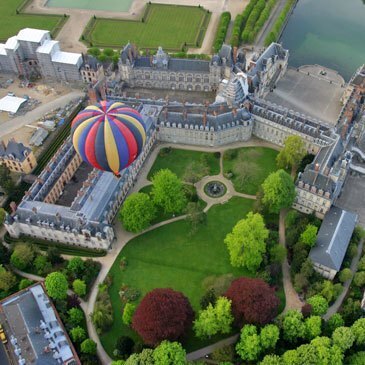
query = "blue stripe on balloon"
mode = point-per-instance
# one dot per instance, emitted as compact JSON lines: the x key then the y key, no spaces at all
{"x":136,"y":133}
{"x":123,"y":150}
{"x":99,"y":147}
{"x":81,"y":143}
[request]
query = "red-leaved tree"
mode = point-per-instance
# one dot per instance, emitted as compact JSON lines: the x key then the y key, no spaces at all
{"x":163,"y":314}
{"x":253,"y":301}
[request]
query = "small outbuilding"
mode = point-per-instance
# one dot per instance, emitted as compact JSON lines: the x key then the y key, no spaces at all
{"x":332,"y":241}
{"x":11,"y":104}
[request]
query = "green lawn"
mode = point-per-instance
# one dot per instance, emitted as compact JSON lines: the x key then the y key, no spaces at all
{"x":11,"y":23}
{"x":169,"y":26}
{"x":177,"y":160}
{"x":170,"y":257}
{"x":261,"y":159}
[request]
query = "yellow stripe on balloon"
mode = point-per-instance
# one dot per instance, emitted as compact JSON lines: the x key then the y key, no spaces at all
{"x":111,"y":148}
{"x":135,"y":122}
{"x":80,"y":128}
{"x":93,"y":107}
{"x":117,"y":104}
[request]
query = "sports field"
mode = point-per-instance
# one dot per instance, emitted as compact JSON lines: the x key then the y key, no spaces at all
{"x":11,"y":22}
{"x":110,"y":5}
{"x":169,"y":26}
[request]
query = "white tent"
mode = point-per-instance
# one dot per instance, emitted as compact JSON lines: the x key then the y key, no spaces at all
{"x":11,"y":104}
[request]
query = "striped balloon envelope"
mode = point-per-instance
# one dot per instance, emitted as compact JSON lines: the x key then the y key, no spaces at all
{"x":108,"y":136}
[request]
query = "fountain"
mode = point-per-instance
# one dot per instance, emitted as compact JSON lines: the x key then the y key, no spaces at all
{"x":215,"y":189}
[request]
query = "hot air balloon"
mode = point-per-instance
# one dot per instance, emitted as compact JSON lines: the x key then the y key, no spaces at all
{"x":108,"y":136}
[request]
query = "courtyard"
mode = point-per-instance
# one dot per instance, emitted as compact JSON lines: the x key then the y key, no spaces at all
{"x":171,"y":256}
{"x":109,"y":5}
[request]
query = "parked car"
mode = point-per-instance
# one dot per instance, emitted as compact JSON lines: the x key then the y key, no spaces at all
{"x":11,"y":94}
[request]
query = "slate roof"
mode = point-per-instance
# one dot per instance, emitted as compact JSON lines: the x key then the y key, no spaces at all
{"x":17,"y":150}
{"x":176,"y":64}
{"x":333,"y":238}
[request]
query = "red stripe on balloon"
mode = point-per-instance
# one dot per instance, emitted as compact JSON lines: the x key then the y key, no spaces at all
{"x":84,"y":115}
{"x":90,"y":146}
{"x":129,"y":138}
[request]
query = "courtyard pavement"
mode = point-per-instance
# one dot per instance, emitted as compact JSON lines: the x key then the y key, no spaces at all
{"x":312,"y":94}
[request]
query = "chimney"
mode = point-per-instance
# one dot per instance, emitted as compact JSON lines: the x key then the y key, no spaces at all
{"x":185,"y":114}
{"x":316,"y":167}
{"x":235,"y":49}
{"x":204,"y":119}
{"x":13,"y":207}
{"x":151,"y":59}
{"x":234,"y":112}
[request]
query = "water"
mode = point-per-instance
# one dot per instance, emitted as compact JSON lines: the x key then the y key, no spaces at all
{"x":327,"y":32}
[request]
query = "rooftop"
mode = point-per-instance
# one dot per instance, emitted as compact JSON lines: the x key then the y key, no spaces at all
{"x":14,"y":150}
{"x":48,"y":46}
{"x":32,"y":35}
{"x":11,"y":104}
{"x":333,"y":238}
{"x":67,"y":57}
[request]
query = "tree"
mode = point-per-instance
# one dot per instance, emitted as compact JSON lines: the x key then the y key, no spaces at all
{"x":88,"y":346}
{"x":358,"y":358}
{"x":214,"y":319}
{"x":42,"y":265}
{"x":54,"y":255}
{"x":343,"y":337}
{"x":7,"y":182}
{"x":56,"y":285}
{"x":319,"y":305}
{"x":195,"y":216}
{"x":4,"y":255}
{"x":169,"y":353}
{"x":309,"y":236}
{"x":279,"y":191}
{"x":79,"y":287}
{"x":7,"y":279}
{"x":22,"y":256}
{"x":244,"y":171}
{"x":78,"y":334}
{"x":292,"y":153}
{"x":358,"y":329}
{"x":94,"y":51}
{"x":291,"y":357}
{"x":248,"y":346}
{"x":163,"y":314}
{"x":24,"y":283}
{"x":124,"y":346}
{"x":345,"y":274}
{"x":137,"y":212}
{"x":253,"y":301}
{"x":271,"y":360}
{"x":223,"y":354}
{"x":277,"y":254}
{"x":247,"y":242}
{"x":2,"y":215}
{"x":269,"y":336}
{"x":208,"y":298}
{"x":76,"y":266}
{"x":334,"y":322}
{"x":167,"y":191}
{"x":313,"y":327}
{"x":293,"y":326}
{"x":75,"y":316}
{"x":128,"y":313}
{"x":143,"y":358}
{"x":359,"y":279}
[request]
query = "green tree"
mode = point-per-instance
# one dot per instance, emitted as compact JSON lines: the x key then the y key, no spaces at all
{"x":291,"y":357}
{"x":128,"y":313}
{"x":271,"y":360}
{"x":7,"y":182}
{"x":334,"y":322}
{"x":167,"y":191}
{"x":76,"y":266}
{"x":359,"y":279}
{"x":79,"y":287}
{"x":24,"y":283}
{"x":292,"y":153}
{"x":345,"y":274}
{"x":248,"y":346}
{"x":195,"y":216}
{"x":56,"y":285}
{"x":77,"y":334}
{"x":94,"y":51}
{"x":247,"y":242}
{"x":358,"y":358}
{"x":214,"y":319}
{"x":169,"y":353}
{"x":343,"y":337}
{"x":7,"y":279}
{"x":143,"y":358}
{"x":42,"y":265}
{"x":88,"y":346}
{"x":137,"y":212}
{"x":277,"y":253}
{"x":313,"y":327}
{"x":22,"y":256}
{"x":75,"y":316}
{"x":2,"y":215}
{"x":279,"y":191}
{"x":358,"y":329}
{"x":269,"y":336}
{"x":319,"y":304}
{"x":54,"y":255}
{"x":328,"y":290}
{"x":309,"y":236}
{"x":293,"y":326}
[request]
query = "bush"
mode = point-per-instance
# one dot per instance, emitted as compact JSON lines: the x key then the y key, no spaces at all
{"x":22,"y":256}
{"x":128,"y":313}
{"x":319,"y":305}
{"x":344,"y":275}
{"x":24,"y":283}
{"x":124,"y":346}
{"x":75,"y":316}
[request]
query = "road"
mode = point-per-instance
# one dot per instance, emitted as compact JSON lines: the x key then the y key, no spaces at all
{"x":16,"y":123}
{"x":260,"y":40}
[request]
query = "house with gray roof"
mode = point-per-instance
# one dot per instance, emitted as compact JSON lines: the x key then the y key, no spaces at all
{"x":332,"y":241}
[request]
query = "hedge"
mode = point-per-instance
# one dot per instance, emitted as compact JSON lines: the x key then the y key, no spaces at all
{"x":221,"y":33}
{"x":278,"y":25}
{"x":247,"y":33}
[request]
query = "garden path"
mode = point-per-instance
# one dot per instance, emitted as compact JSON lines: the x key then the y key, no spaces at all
{"x":291,"y":296}
{"x":337,"y":304}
